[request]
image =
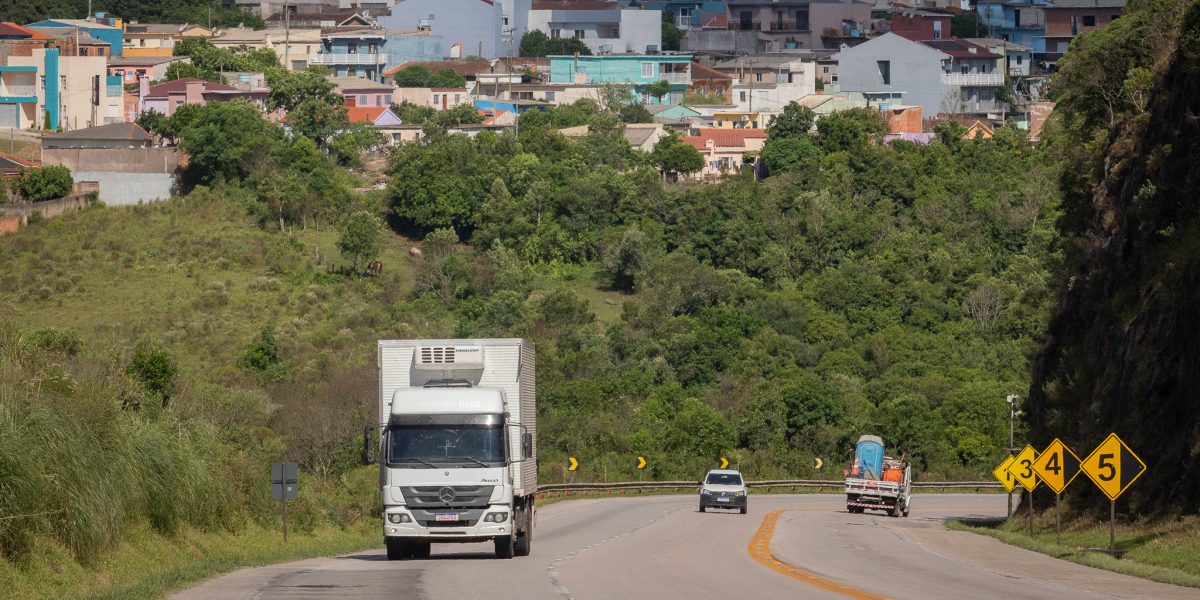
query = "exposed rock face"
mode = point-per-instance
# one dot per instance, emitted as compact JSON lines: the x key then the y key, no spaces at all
{"x":1122,"y":353}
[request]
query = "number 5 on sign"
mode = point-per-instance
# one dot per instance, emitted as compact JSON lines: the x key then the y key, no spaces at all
{"x":1112,"y":466}
{"x":1022,"y":468}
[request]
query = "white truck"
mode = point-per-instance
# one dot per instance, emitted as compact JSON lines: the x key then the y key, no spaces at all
{"x":456,"y":444}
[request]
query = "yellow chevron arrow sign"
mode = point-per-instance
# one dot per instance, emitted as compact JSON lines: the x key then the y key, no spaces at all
{"x":641,"y":462}
{"x":573,"y":464}
{"x":819,"y":463}
{"x":724,"y":463}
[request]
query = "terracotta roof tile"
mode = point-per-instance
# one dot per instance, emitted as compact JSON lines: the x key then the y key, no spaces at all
{"x":724,"y":138}
{"x":364,"y":114}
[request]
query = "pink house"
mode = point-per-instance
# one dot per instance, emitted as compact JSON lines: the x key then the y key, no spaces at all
{"x":166,"y":98}
{"x":724,"y":150}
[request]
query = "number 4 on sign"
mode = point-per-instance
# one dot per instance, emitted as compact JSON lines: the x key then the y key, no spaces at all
{"x":1057,"y":466}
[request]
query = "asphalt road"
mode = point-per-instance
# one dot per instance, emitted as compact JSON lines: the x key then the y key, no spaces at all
{"x":661,"y":547}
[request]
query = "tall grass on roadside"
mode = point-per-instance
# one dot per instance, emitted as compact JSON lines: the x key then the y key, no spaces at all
{"x":76,"y":467}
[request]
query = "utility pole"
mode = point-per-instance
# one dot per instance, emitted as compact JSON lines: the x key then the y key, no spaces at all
{"x":1012,"y":415}
{"x":287,"y":46}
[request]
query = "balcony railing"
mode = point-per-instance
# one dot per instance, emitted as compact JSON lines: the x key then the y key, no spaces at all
{"x":740,"y":26}
{"x":786,"y":26}
{"x":24,"y":91}
{"x":348,"y":59}
{"x":973,"y":79}
{"x":685,"y":78}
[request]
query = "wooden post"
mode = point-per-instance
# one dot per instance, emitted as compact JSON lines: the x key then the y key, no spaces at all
{"x":1112,"y":535}
{"x":1057,"y":520}
{"x":285,"y":513}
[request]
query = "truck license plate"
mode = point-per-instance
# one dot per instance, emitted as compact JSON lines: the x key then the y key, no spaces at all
{"x":445,"y":517}
{"x":723,"y":499}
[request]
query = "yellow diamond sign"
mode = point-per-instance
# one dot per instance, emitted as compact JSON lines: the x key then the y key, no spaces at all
{"x":1003,"y":476}
{"x":1022,"y":467}
{"x":1112,"y":466}
{"x":1057,"y":466}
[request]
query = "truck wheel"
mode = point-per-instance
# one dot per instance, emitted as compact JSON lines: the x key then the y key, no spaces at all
{"x":396,"y":549}
{"x":743,"y":510}
{"x":524,"y":542}
{"x":701,"y":508}
{"x":419,"y":550}
{"x":504,"y":547}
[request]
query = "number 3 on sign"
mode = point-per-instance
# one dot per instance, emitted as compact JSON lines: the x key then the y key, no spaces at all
{"x":1022,"y":468}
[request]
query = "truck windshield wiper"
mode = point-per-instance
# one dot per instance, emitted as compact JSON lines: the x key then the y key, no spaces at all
{"x":422,"y":461}
{"x":470,"y":458}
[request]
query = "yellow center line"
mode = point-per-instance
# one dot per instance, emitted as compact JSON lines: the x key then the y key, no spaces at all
{"x":760,"y":550}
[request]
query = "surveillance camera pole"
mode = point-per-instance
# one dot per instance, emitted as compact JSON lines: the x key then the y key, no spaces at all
{"x":1012,"y":415}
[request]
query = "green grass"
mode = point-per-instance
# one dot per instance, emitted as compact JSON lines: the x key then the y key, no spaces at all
{"x":1164,"y":551}
{"x":149,"y":565}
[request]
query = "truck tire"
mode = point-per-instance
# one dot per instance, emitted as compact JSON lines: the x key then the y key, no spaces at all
{"x":701,"y":508}
{"x":743,"y":510}
{"x":396,"y":549}
{"x":524,"y":542}
{"x":419,"y":550}
{"x":505,"y":547}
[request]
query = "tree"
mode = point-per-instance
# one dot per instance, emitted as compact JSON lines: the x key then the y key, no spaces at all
{"x":224,"y":140}
{"x":673,"y":156}
{"x":154,"y":370}
{"x":658,"y":89}
{"x":968,"y":25}
{"x":289,"y":89}
{"x":46,"y":183}
{"x":794,"y":120}
{"x":791,"y":153}
{"x":671,"y":33}
{"x":362,"y":237}
{"x":414,"y":114}
{"x":850,"y":130}
{"x":414,"y":76}
{"x":445,"y":78}
{"x":318,"y":120}
{"x":182,"y":70}
{"x":625,"y":261}
{"x":536,"y":43}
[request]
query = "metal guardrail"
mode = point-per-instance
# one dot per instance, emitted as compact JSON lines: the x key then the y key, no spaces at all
{"x":765,"y":484}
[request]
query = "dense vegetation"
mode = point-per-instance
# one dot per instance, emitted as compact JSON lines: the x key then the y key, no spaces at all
{"x":1121,"y":349}
{"x":202,"y":12}
{"x":887,"y":289}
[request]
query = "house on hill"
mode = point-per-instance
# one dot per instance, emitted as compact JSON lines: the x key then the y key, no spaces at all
{"x":120,"y":157}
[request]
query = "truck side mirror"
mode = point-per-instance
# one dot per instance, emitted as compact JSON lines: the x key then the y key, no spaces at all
{"x":368,"y":452}
{"x":527,"y":446}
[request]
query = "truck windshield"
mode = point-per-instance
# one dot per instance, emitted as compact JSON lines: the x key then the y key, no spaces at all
{"x":422,"y":446}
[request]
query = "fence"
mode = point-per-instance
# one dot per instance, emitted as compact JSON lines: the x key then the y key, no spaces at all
{"x":768,"y":485}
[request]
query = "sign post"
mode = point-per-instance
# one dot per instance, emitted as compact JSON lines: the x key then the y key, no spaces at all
{"x":284,"y":487}
{"x":1022,"y":469}
{"x":1113,"y":467}
{"x":1057,"y":466}
{"x":1006,"y":479}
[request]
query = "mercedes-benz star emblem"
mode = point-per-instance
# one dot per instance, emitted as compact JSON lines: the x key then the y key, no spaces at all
{"x":446,"y":495}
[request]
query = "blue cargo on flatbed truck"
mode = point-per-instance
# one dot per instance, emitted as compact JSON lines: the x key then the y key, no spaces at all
{"x":877,"y":482}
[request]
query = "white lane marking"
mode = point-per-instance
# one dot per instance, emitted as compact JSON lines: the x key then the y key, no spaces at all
{"x":552,"y":569}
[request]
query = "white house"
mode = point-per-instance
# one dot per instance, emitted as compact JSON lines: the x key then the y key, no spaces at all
{"x":605,"y":27}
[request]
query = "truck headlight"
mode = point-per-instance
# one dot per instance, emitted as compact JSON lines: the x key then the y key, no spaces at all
{"x":399,"y":518}
{"x":740,"y":494}
{"x":497,"y":517}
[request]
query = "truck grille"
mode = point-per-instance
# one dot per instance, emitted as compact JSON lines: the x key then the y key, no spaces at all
{"x":454,"y":496}
{"x":437,"y":355}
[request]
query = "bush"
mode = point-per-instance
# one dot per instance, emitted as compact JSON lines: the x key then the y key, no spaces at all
{"x":46,"y":183}
{"x":54,"y":339}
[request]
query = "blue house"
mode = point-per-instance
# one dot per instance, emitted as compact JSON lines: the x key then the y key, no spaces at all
{"x":638,"y":70}
{"x":114,"y":36}
{"x":691,"y":13}
{"x":1017,"y":21}
{"x":369,"y":51}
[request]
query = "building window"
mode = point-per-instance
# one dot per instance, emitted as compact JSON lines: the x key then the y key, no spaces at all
{"x":758,"y":77}
{"x":985,"y":95}
{"x":351,"y":48}
{"x":380,"y":101}
{"x":965,"y":69}
{"x":555,"y":34}
{"x":742,"y":96}
{"x":825,"y":69}
{"x":885,"y":71}
{"x":647,"y":70}
{"x":937,"y":30}
{"x":1089,"y":20}
{"x":1020,"y":59}
{"x":549,"y":96}
{"x":505,"y":21}
{"x":456,"y":98}
{"x":579,"y":34}
{"x":362,"y":101}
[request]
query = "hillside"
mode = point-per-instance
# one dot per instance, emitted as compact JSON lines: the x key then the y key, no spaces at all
{"x":146,"y":11}
{"x":1122,"y":348}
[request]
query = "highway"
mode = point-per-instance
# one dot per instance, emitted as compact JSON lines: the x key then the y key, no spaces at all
{"x":661,"y":547}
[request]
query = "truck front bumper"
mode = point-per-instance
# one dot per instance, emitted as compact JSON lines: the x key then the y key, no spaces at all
{"x":422,"y":526}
